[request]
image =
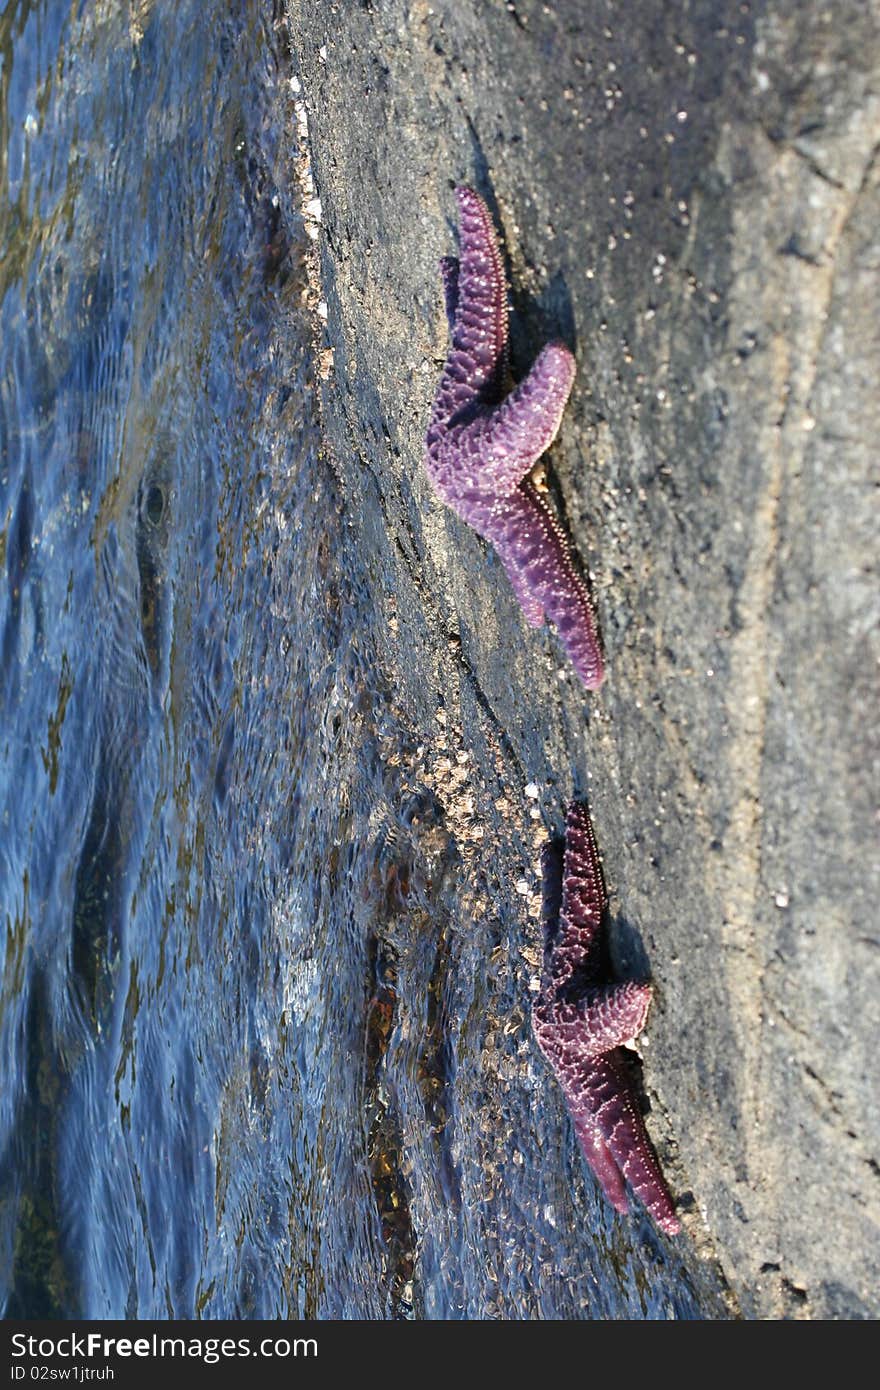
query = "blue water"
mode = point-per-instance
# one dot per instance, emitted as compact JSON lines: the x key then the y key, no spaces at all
{"x":243,"y":1065}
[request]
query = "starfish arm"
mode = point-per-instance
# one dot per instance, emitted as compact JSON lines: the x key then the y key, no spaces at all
{"x":601,"y":1160}
{"x":615,"y":1015}
{"x":623,"y":1128}
{"x":612,"y":1133}
{"x":574,"y":901}
{"x":449,"y":276}
{"x":479,"y":332}
{"x":583,"y":888}
{"x":531,"y":545}
{"x":532,"y":608}
{"x":564,"y":595}
{"x":510,"y":439}
{"x":592,"y":1025}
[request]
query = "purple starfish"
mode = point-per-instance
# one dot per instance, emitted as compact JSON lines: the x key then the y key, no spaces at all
{"x":581,"y":1024}
{"x":481,"y":444}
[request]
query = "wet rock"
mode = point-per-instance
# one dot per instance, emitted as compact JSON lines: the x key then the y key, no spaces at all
{"x":690,"y":200}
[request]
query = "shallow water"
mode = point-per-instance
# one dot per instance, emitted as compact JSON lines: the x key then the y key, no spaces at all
{"x":242,"y":1029}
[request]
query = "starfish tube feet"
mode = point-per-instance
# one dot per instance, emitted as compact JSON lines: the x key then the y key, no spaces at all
{"x":481,"y":446}
{"x":480,"y":324}
{"x":580,"y":1024}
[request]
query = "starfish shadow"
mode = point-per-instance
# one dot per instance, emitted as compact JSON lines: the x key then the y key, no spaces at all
{"x":625,"y":950}
{"x":539,"y":317}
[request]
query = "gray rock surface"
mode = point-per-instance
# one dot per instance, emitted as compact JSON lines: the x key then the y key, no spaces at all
{"x":690,"y":198}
